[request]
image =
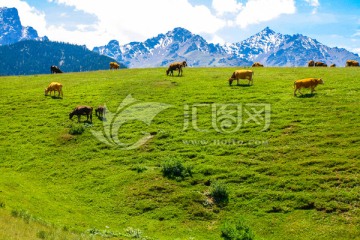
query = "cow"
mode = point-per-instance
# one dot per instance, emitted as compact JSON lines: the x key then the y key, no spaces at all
{"x":82,"y":110}
{"x":55,"y":69}
{"x":320,"y":64}
{"x":311,"y":63}
{"x":114,"y":65}
{"x":352,"y":63}
{"x":257,"y":64}
{"x":100,"y":112}
{"x":53,"y":87}
{"x":307,"y":83}
{"x":241,"y":74}
{"x":333,"y":65}
{"x":176,"y":66}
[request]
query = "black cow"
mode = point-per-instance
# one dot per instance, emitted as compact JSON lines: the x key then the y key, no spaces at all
{"x":82,"y":110}
{"x":55,"y":69}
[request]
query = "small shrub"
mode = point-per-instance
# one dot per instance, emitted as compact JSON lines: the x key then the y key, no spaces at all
{"x":76,"y":129}
{"x":236,"y":231}
{"x":133,"y":232}
{"x":14,"y":213}
{"x":174,"y":169}
{"x":139,"y":168}
{"x":41,"y":235}
{"x":22,"y":214}
{"x":220,"y":194}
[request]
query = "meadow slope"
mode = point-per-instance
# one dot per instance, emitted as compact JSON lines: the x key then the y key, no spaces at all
{"x":290,"y":164}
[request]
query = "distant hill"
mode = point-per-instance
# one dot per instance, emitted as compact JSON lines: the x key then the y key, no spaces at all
{"x":36,"y":57}
{"x":23,"y":52}
{"x":267,"y":47}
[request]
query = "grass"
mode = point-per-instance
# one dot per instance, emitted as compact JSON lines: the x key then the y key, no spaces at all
{"x":294,"y":179}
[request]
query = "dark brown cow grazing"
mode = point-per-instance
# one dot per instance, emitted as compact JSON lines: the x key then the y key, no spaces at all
{"x":257,"y":64}
{"x":82,"y":110}
{"x":55,"y":69}
{"x":352,"y":63}
{"x":320,"y":64}
{"x":100,"y":112}
{"x":176,"y":66}
{"x":114,"y":65}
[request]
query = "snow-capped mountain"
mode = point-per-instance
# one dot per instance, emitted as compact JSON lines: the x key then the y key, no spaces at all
{"x":12,"y":31}
{"x":267,"y":47}
{"x":178,"y":44}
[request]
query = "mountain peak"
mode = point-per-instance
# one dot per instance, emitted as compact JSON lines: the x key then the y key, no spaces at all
{"x":12,"y":31}
{"x":267,"y":31}
{"x":180,"y":34}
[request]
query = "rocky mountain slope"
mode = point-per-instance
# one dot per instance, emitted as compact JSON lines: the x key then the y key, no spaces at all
{"x":11,"y":30}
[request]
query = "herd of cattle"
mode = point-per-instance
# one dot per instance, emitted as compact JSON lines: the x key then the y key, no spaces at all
{"x":178,"y":66}
{"x":79,"y":110}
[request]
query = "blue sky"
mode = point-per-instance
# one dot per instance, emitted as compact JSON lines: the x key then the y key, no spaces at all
{"x":94,"y":23}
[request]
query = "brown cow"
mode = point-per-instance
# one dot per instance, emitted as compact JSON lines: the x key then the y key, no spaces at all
{"x":241,"y":74}
{"x":114,"y":65}
{"x":176,"y":66}
{"x":82,"y":110}
{"x":307,"y":83}
{"x":333,"y":65}
{"x":311,"y":63}
{"x":257,"y":64}
{"x":100,"y":112}
{"x":352,"y":63}
{"x":320,"y":64}
{"x":53,"y":87}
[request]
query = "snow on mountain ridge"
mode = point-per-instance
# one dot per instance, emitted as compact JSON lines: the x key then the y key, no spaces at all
{"x":267,"y":46}
{"x":12,"y":31}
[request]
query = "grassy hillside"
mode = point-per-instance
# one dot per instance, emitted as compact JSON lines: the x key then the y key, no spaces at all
{"x":288,"y":165}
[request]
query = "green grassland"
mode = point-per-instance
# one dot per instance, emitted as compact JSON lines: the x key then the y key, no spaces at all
{"x":297,"y":178}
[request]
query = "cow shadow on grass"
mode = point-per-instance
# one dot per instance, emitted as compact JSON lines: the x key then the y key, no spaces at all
{"x":242,"y":85}
{"x":307,"y":95}
{"x":56,"y":97}
{"x":103,"y":119}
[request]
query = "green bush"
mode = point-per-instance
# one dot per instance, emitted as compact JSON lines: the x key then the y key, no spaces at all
{"x":174,"y":169}
{"x":139,"y":168}
{"x":76,"y":129}
{"x":41,"y":235}
{"x":236,"y":231}
{"x":220,"y":194}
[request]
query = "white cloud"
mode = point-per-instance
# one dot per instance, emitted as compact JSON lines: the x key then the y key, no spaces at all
{"x":257,"y":11}
{"x":217,"y":39}
{"x":226,"y":6}
{"x":315,"y":4}
{"x":137,"y":20}
{"x":356,"y":50}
